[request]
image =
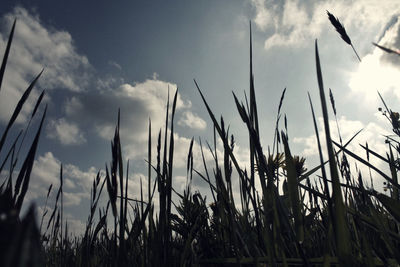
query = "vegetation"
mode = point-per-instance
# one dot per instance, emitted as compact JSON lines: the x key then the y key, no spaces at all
{"x":319,"y":218}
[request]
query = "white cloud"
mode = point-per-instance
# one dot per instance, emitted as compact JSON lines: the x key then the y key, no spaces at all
{"x":294,"y":23}
{"x":378,"y":71}
{"x":75,"y":226}
{"x":39,"y":45}
{"x":153,"y":92}
{"x":264,"y":17}
{"x":83,"y":179}
{"x":138,"y":102}
{"x":114,"y":64}
{"x":192,"y":121}
{"x":109,"y":81}
{"x":46,"y":171}
{"x":34,"y":47}
{"x":65,"y":132}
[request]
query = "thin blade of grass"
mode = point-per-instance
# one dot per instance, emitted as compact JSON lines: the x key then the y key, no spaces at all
{"x":369,"y":151}
{"x":217,"y":127}
{"x":18,"y":108}
{"x":149,"y":177}
{"x":6,"y":53}
{"x":37,"y":104}
{"x":393,"y":171}
{"x":387,"y":50}
{"x":26,"y":169}
{"x":339,"y":221}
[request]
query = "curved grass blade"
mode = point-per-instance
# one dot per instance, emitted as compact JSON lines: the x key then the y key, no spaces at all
{"x":27,"y":127}
{"x":6,"y":53}
{"x":18,"y":108}
{"x":37,"y":104}
{"x":323,"y":171}
{"x":278,"y":115}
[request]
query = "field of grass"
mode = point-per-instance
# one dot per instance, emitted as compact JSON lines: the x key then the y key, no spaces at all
{"x":325,"y":216}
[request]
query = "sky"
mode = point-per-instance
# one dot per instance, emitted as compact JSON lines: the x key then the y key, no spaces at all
{"x":99,"y":57}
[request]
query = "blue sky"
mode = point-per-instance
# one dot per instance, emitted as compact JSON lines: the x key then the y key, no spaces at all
{"x":99,"y":57}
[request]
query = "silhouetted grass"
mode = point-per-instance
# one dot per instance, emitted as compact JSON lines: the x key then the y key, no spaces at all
{"x":297,"y":218}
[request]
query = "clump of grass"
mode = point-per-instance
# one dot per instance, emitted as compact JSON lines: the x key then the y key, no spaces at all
{"x":315,"y":219}
{"x":18,"y":235}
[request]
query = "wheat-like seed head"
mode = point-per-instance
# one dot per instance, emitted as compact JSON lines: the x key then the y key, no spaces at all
{"x":339,"y":27}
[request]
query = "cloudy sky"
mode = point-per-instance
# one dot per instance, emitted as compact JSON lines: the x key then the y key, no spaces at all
{"x":99,"y":57}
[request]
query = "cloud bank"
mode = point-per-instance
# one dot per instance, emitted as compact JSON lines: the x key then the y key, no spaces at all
{"x":294,"y":23}
{"x":35,"y":47}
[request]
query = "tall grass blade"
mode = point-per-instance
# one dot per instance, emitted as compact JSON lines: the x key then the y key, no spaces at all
{"x":324,"y":177}
{"x":278,"y":115}
{"x":393,"y":170}
{"x":253,"y":103}
{"x":61,"y":208}
{"x":171,"y":158}
{"x":339,"y":221}
{"x":45,"y":207}
{"x":149,"y":186}
{"x":163,"y":193}
{"x":6,"y":53}
{"x":29,"y":123}
{"x":293,"y":191}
